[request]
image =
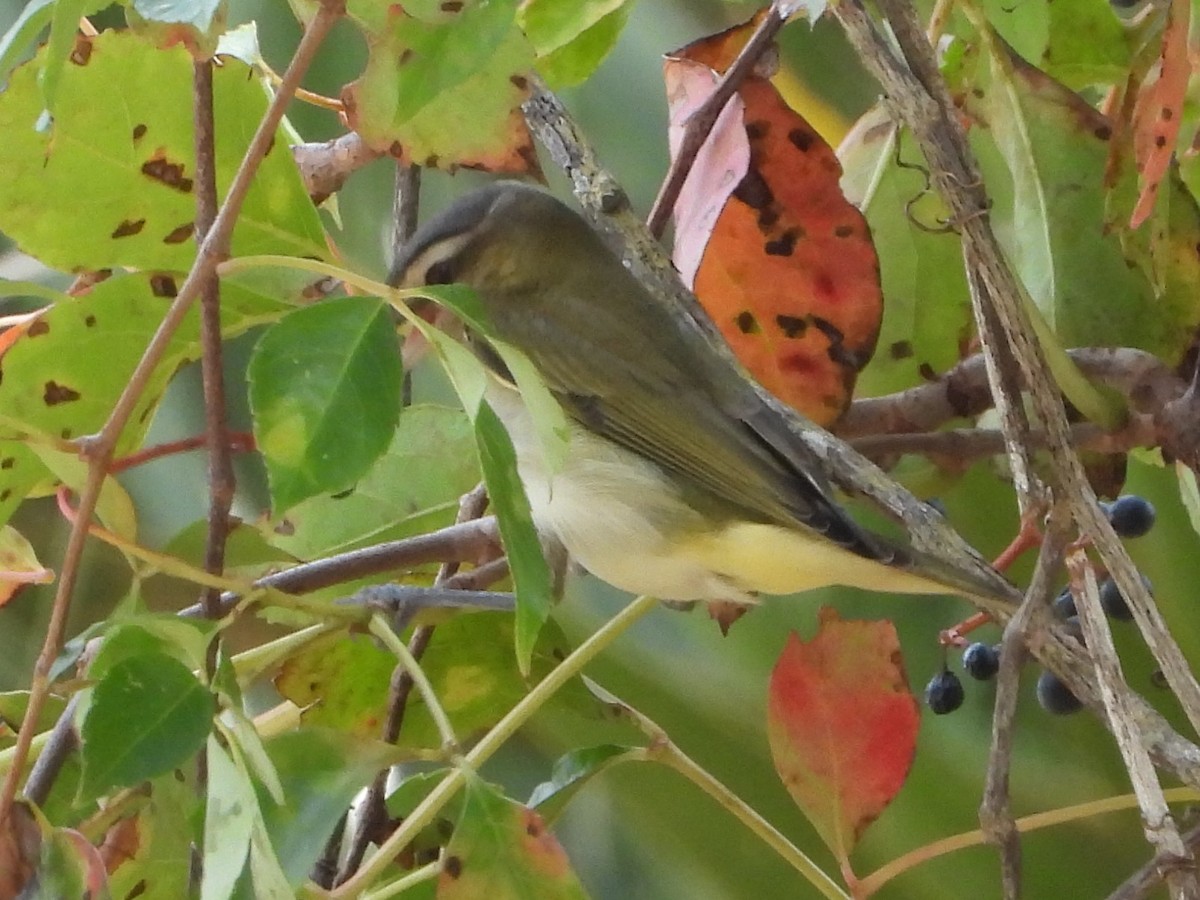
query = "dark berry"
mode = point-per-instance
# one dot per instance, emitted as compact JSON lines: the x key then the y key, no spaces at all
{"x":1131,"y":516}
{"x":981,"y":661}
{"x":1055,"y":697}
{"x":1064,"y":604}
{"x":944,"y":693}
{"x":1113,"y":601}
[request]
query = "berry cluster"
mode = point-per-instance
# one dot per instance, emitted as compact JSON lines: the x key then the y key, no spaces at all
{"x":1131,"y":516}
{"x":944,"y":693}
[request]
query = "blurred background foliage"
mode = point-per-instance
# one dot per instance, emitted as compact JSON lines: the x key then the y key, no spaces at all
{"x":641,"y":832}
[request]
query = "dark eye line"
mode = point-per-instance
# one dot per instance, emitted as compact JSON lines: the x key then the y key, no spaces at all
{"x":440,"y":272}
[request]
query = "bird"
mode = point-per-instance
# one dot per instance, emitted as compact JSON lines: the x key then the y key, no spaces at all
{"x":679,"y":480}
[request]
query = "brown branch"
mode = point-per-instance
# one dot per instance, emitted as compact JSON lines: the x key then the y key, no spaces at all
{"x":1158,"y":825}
{"x":919,"y":97}
{"x":324,"y":167}
{"x":964,"y":392}
{"x":466,"y":542}
{"x":99,"y":448}
{"x":216,"y":427}
{"x":239,"y":442}
{"x":700,"y":123}
{"x":1143,"y":882}
{"x":962,"y":445}
{"x":995,"y":810}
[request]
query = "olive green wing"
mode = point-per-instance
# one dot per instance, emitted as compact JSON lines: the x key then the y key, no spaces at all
{"x":651,"y":397}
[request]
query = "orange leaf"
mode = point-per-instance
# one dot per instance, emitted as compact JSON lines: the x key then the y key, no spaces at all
{"x":788,"y":273}
{"x":842,"y":725}
{"x":1159,"y":110}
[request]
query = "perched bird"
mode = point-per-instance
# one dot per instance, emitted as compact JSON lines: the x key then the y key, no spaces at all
{"x":679,"y":480}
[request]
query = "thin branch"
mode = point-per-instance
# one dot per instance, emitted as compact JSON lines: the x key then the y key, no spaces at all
{"x":1145,"y":880}
{"x":927,"y":109}
{"x":963,"y":445}
{"x":466,"y":542}
{"x":99,"y":449}
{"x":963,"y":392}
{"x":700,"y":123}
{"x":216,"y":427}
{"x":406,"y":204}
{"x":63,"y":741}
{"x":1158,"y":824}
{"x":471,"y":506}
{"x":995,"y":811}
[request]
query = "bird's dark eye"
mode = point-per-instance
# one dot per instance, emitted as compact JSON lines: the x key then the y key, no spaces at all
{"x":440,"y":272}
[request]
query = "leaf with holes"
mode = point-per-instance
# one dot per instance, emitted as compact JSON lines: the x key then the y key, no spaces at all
{"x":111,"y":183}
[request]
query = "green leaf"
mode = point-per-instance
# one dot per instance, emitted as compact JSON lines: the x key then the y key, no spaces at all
{"x":413,"y":488}
{"x":228,"y":821}
{"x":444,"y":89}
{"x":103,"y":190}
{"x":148,"y":715}
{"x":321,"y":772}
{"x":549,"y":421}
{"x":1189,"y":494}
{"x":65,"y":372}
{"x":526,"y":561}
{"x":14,"y":703}
{"x":572,"y":37}
{"x":927,"y":313}
{"x":341,"y":681}
{"x":63,"y":42}
{"x":183,"y":639}
{"x":325,"y":394}
{"x":1043,"y":151}
{"x":1087,"y":44}
{"x":502,"y":851}
{"x":572,"y":772}
{"x":167,"y":830}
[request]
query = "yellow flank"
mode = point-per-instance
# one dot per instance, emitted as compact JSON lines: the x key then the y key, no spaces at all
{"x":770,"y":559}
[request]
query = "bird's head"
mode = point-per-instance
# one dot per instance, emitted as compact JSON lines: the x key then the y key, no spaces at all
{"x":505,"y":239}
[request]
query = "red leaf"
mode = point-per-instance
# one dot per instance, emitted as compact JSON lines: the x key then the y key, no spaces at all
{"x":842,"y":725}
{"x":789,"y":273}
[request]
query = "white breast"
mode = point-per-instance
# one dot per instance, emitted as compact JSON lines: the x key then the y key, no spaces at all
{"x":612,"y":510}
